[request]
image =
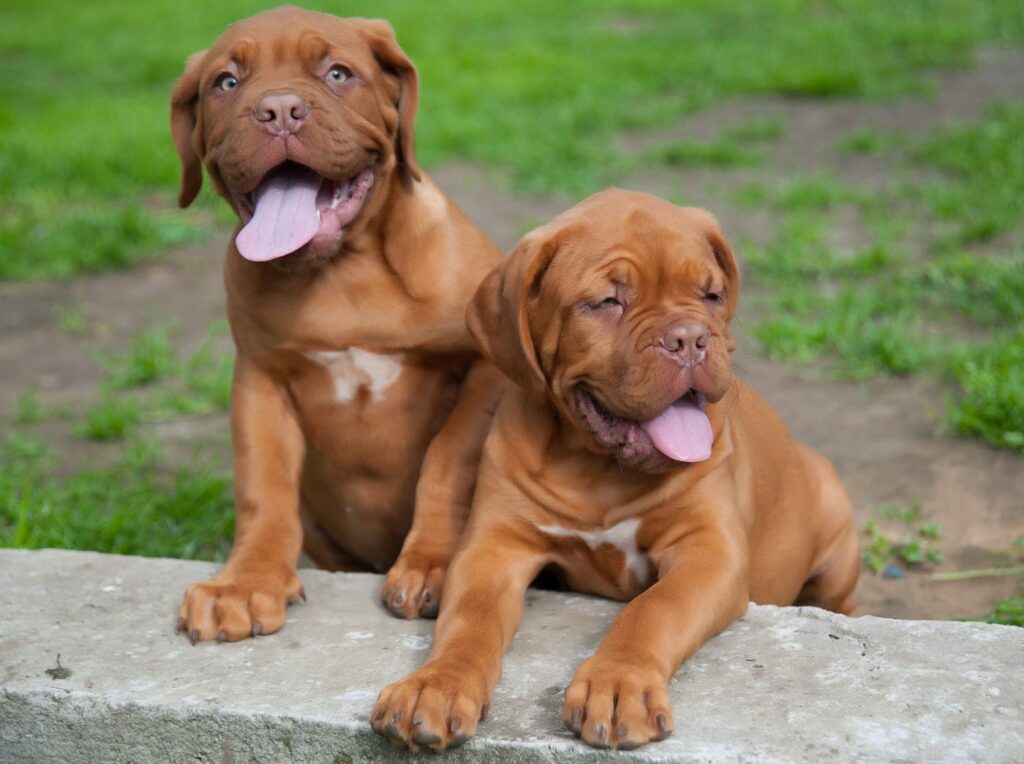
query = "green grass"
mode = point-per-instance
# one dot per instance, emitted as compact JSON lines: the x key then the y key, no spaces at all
{"x":911,"y":543}
{"x":991,"y":399}
{"x":29,"y":409}
{"x":132,"y":507}
{"x":111,"y":418}
{"x":537,"y":89}
{"x":1009,"y":612}
{"x":950,"y":312}
{"x":71,"y":319}
{"x":983,"y":165}
{"x":142,"y":503}
{"x":719,"y":153}
{"x":150,"y":359}
{"x":868,"y":142}
{"x":813,"y":193}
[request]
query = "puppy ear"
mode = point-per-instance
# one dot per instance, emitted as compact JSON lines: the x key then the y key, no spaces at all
{"x":381,"y":39}
{"x":184,"y":99}
{"x":727,"y":262}
{"x":723,"y":256}
{"x":497,"y":315}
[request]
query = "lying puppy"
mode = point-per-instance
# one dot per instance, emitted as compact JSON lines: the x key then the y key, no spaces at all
{"x":347,"y":284}
{"x":628,"y":456}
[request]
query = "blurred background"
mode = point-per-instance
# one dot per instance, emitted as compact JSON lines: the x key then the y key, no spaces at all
{"x":865,"y":158}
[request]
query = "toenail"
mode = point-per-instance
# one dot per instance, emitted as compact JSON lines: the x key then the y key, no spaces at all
{"x":574,"y":720}
{"x":193,"y":636}
{"x":425,"y":737}
{"x":257,"y":628}
{"x":662,"y":721}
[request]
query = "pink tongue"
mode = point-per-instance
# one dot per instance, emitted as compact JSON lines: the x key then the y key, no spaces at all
{"x":285,"y":216}
{"x":681,"y":432}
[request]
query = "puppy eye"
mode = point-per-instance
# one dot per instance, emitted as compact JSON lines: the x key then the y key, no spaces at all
{"x":338,"y":73}
{"x":227,"y":82}
{"x":607,"y":302}
{"x":714,"y":297}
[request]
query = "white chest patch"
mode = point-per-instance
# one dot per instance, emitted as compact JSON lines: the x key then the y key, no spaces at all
{"x":355,"y":368}
{"x":622,"y":536}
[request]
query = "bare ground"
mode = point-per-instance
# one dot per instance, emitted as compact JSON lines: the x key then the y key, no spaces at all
{"x":883,"y":435}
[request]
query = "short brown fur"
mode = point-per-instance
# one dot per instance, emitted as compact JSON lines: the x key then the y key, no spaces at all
{"x":341,"y":476}
{"x":763,"y":519}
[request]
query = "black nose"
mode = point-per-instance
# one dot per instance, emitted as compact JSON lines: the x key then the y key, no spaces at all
{"x":281,"y":113}
{"x":688,"y":341}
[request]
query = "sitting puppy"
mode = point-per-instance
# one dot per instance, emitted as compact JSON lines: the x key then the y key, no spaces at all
{"x":347,"y":284}
{"x":628,"y":456}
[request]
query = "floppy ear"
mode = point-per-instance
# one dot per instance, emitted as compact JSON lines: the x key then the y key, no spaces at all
{"x":727,"y":262}
{"x":723,"y":256}
{"x":381,"y":39}
{"x":497,"y":315}
{"x":184,"y":99}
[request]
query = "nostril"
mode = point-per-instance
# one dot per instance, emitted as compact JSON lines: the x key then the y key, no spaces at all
{"x":689,"y":338}
{"x":281,"y":111}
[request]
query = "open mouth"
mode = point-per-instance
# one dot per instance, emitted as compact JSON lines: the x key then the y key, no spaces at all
{"x":682,"y":432}
{"x":292,"y":205}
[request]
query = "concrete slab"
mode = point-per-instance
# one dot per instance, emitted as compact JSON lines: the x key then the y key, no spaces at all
{"x":782,"y":684}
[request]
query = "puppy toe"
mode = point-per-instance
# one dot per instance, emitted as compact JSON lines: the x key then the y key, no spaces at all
{"x":412,"y":588}
{"x":596,"y":729}
{"x":268,"y":611}
{"x":232,"y":616}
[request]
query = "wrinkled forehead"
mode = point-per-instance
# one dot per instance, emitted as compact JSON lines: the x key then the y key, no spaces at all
{"x":277,"y":38}
{"x":658,"y":249}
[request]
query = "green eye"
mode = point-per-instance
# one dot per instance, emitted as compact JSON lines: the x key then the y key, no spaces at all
{"x":227,"y":82}
{"x":338,"y":74}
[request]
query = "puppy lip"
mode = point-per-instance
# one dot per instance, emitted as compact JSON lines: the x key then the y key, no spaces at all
{"x":333,"y":191}
{"x":587,"y":393}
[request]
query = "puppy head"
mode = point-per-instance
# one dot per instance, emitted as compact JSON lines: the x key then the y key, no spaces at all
{"x":298,"y":118}
{"x":617,"y":312}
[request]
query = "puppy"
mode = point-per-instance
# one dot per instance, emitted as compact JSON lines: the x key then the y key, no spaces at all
{"x":627,"y":455}
{"x":347,"y":283}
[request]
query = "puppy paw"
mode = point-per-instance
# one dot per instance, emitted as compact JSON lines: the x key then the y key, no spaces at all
{"x":617,"y":705}
{"x":412,"y":588}
{"x":435,"y":707}
{"x":229,"y":608}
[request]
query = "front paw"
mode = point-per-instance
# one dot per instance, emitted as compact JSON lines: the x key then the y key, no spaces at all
{"x":611,"y":704}
{"x":435,"y":707}
{"x":232,"y":607}
{"x":412,"y":587}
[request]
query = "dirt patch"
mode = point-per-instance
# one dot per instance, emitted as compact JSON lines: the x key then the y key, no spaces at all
{"x":882,"y":435}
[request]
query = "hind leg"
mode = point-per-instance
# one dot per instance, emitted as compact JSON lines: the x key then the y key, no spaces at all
{"x":831,"y":587}
{"x":837,"y":567}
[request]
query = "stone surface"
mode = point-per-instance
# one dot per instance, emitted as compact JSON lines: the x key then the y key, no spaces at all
{"x":781,"y":684}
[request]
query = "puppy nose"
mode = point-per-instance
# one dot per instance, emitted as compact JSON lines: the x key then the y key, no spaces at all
{"x":688,"y":341}
{"x":281,"y":112}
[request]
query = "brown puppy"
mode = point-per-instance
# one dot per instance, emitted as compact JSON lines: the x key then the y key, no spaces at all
{"x":628,"y":456}
{"x":347,"y":284}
